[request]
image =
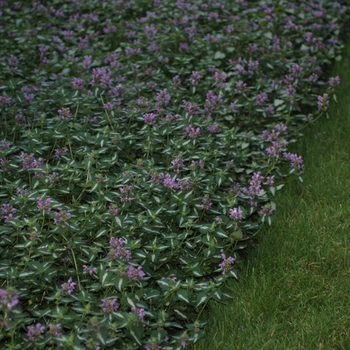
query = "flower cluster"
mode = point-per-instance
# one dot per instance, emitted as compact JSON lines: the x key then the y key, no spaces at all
{"x":323,"y":102}
{"x":150,"y":118}
{"x":7,"y":211}
{"x":178,"y":163}
{"x":118,"y":249}
{"x":8,"y":298}
{"x":192,"y":132}
{"x":61,"y":217}
{"x":44,"y":204}
{"x":214,"y":128}
{"x":90,"y":269}
{"x":296,"y":162}
{"x":35,"y":331}
{"x":227,"y":263}
{"x":195,"y":78}
{"x":206,"y":203}
{"x":125,"y":191}
{"x":4,"y":145}
{"x":236,"y":214}
{"x":59,"y":151}
{"x":139,"y":312}
{"x":29,"y":161}
{"x":65,"y":114}
{"x":333,"y":82}
{"x":133,"y":273}
{"x":254,"y":188}
{"x":113,"y":210}
{"x":68,"y":287}
{"x":54,"y":330}
{"x":109,"y":305}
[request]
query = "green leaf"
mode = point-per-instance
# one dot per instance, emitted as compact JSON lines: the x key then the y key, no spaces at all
{"x":183,"y":295}
{"x":220,"y":233}
{"x":100,"y":233}
{"x":219,"y":55}
{"x":278,"y":102}
{"x":181,"y":314}
{"x":120,"y":282}
{"x":202,"y":298}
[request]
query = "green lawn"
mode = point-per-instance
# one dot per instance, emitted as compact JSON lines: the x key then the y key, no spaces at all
{"x":294,"y":291}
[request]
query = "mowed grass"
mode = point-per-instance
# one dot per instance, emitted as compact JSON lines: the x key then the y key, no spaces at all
{"x":294,"y":291}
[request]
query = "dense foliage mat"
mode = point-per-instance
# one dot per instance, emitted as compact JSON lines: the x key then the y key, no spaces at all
{"x":141,"y":146}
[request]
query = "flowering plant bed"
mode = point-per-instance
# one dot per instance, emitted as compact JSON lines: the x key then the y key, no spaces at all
{"x":141,"y":146}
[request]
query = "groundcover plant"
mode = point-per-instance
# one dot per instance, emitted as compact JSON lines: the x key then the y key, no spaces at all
{"x":141,"y":145}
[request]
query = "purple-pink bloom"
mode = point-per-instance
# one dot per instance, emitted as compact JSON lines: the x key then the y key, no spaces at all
{"x":133,"y":273}
{"x":229,"y":165}
{"x":261,"y":98}
{"x":241,"y":87}
{"x":150,"y":31}
{"x":68,"y":287}
{"x":281,"y":127}
{"x":109,"y":305}
{"x":35,"y":331}
{"x":194,"y":78}
{"x":323,"y":102}
{"x":7,"y":211}
{"x":212,"y":101}
{"x":58,"y":152}
{"x":5,"y":101}
{"x":118,"y":249}
{"x":296,"y":161}
{"x":9,"y":298}
{"x":178,"y":163}
{"x":4,"y":145}
{"x":236,"y":214}
{"x":61,"y":217}
{"x":184,"y":184}
{"x":220,"y":79}
{"x":90,"y":269}
{"x":44,"y":204}
{"x":21,"y":192}
{"x":206,"y":203}
{"x":21,"y":118}
{"x":184,"y":340}
{"x":192,"y":132}
{"x":332,"y":82}
{"x":274,"y":150}
{"x":150,"y":118}
{"x":266,"y":210}
{"x":125,"y":191}
{"x":162,"y":59}
{"x":176,"y":82}
{"x":213,"y":128}
{"x":152,"y":345}
{"x":54,"y":329}
{"x":270,"y":180}
{"x":29,"y":161}
{"x":113,"y":210}
{"x":78,"y":84}
{"x":227,"y":263}
{"x":169,"y":182}
{"x":101,"y":77}
{"x":65,"y":113}
{"x":162,"y":100}
{"x":183,"y":47}
{"x":139,"y":312}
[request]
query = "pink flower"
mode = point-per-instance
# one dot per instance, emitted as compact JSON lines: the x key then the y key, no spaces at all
{"x":68,"y":287}
{"x":192,"y":132}
{"x":109,"y":305}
